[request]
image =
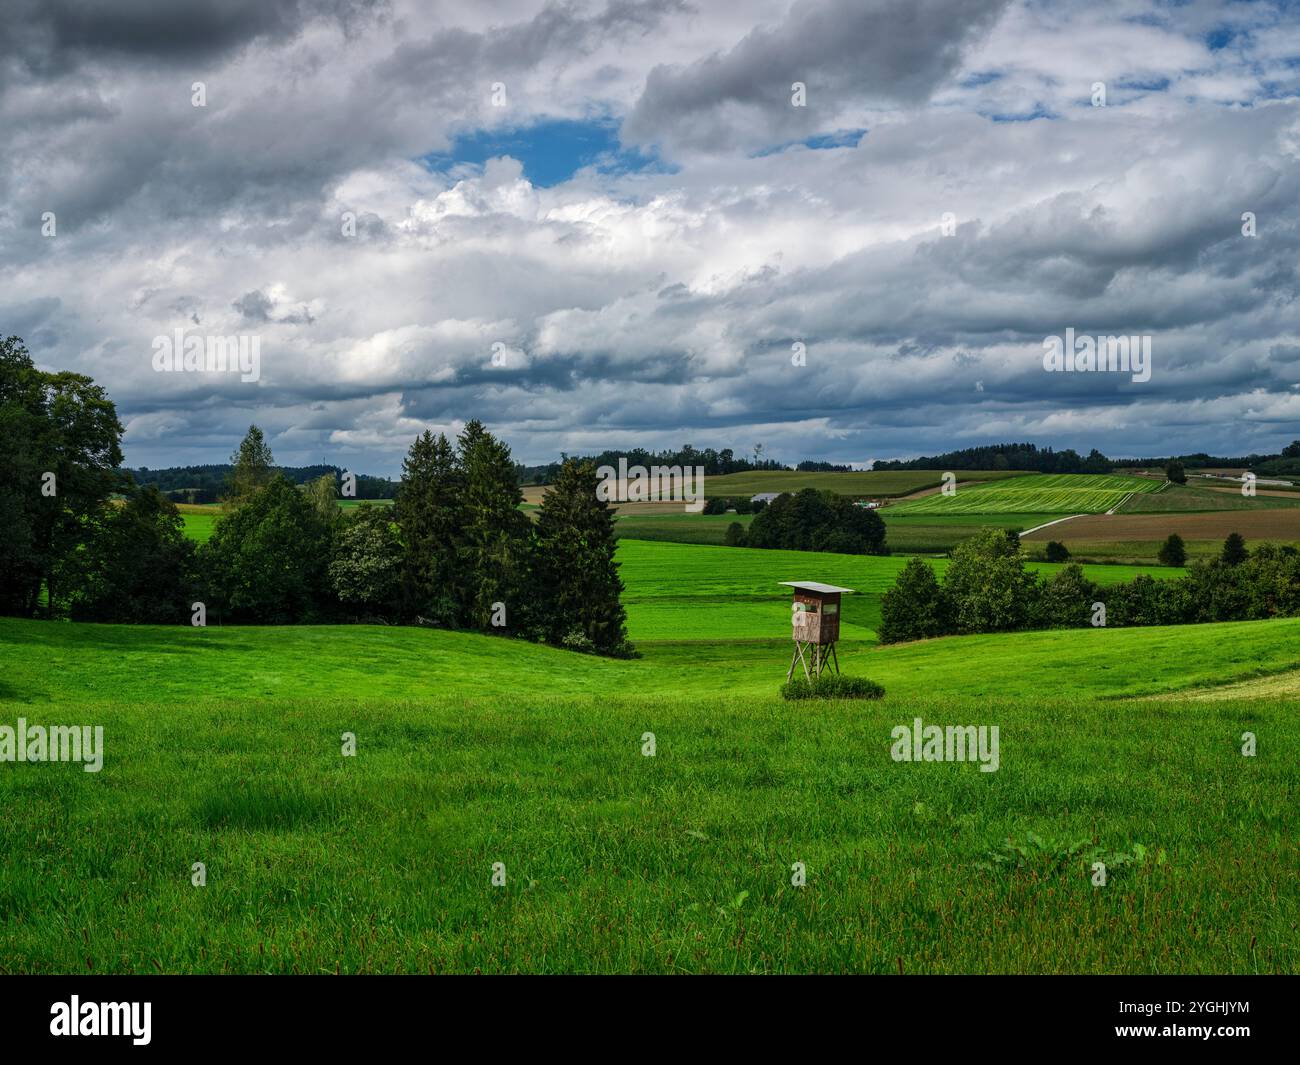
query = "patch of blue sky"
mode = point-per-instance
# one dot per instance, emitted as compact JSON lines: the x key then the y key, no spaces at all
{"x":551,"y":151}
{"x":840,"y":138}
{"x":1033,"y":114}
{"x":1137,"y":85}
{"x":1219,"y":38}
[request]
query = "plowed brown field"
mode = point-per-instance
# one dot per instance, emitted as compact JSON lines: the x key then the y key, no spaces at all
{"x":1281,"y":525}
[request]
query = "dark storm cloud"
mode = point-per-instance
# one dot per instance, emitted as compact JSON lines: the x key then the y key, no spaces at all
{"x":454,"y":60}
{"x":49,"y":35}
{"x":254,"y":306}
{"x":845,"y":51}
{"x":275,"y":135}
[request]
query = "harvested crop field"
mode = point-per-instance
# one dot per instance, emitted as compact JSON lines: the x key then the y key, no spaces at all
{"x":1281,"y":524}
{"x":1280,"y":493}
{"x":1187,"y":498}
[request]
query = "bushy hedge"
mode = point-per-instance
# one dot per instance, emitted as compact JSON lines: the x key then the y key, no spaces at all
{"x":809,"y":520}
{"x":1057,"y":551}
{"x":831,"y":686}
{"x":987,"y":589}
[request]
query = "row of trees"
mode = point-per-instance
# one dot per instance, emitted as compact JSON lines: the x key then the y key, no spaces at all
{"x":1286,"y":461}
{"x":740,"y":504}
{"x":454,"y":551}
{"x":1005,"y":457}
{"x":986,"y":588}
{"x":473,"y":559}
{"x":812,"y":520}
{"x":209,"y":483}
{"x":85,"y":542}
{"x":1045,"y":460}
{"x":1173,"y":552}
{"x":715,"y":462}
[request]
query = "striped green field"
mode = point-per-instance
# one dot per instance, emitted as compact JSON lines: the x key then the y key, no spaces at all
{"x":1043,"y":493}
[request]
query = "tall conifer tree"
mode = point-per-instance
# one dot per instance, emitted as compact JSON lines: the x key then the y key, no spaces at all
{"x":496,"y":533}
{"x":576,"y":582}
{"x":252,"y":467}
{"x":429,"y":511}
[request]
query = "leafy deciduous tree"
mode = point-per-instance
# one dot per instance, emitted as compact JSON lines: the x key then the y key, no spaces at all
{"x":266,"y":560}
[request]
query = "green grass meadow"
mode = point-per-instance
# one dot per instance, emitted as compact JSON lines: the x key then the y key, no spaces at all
{"x":200,"y":521}
{"x":680,"y":527}
{"x":905,"y":533}
{"x":916,"y":534}
{"x":201,"y":518}
{"x":223,"y":746}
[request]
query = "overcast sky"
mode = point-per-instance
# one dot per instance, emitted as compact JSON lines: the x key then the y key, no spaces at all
{"x":624,"y":204}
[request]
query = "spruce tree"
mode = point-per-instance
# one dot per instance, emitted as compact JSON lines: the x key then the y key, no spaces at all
{"x":252,"y":467}
{"x":1173,"y":552}
{"x":429,"y":513}
{"x":915,"y":608}
{"x":1234,"y":550}
{"x":576,"y":578}
{"x":495,"y":533}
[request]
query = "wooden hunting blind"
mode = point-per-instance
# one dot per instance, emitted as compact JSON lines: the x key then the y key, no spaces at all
{"x":815,"y":621}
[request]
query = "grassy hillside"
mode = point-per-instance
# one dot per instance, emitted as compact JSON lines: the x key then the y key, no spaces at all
{"x":223,"y":747}
{"x":680,"y":527}
{"x":1081,"y":493}
{"x":1116,"y":552}
{"x":684,"y":591}
{"x":73,"y":664}
{"x":201,"y":518}
{"x":906,"y":533}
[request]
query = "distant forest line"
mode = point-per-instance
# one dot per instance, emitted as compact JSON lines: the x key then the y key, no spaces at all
{"x":205,"y":484}
{"x":209,"y":483}
{"x":1045,"y":460}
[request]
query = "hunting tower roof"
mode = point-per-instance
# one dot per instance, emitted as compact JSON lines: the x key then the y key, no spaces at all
{"x":815,"y":586}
